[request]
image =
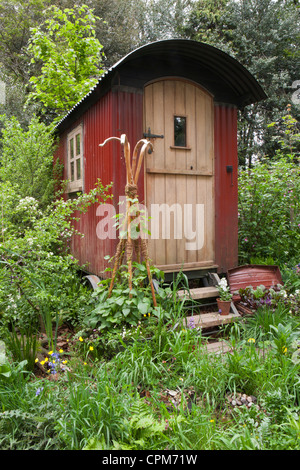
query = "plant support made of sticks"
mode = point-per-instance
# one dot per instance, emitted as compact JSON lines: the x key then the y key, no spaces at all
{"x":128,"y":243}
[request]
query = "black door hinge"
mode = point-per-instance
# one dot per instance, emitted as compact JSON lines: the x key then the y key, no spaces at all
{"x":148,"y":135}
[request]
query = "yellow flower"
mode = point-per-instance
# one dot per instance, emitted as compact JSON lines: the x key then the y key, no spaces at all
{"x":284,"y":349}
{"x":42,"y":363}
{"x":91,"y":348}
{"x":50,"y":352}
{"x":61,"y":351}
{"x":251,"y":340}
{"x":211,"y":420}
{"x":64,"y":362}
{"x":46,"y":359}
{"x":36,"y":360}
{"x":80,"y":338}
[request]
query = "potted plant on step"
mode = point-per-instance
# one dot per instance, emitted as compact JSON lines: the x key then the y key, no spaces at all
{"x":225,"y":297}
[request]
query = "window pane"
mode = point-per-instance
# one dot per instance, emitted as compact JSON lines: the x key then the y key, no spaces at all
{"x":179,"y":131}
{"x":72,"y":148}
{"x":72,"y":171}
{"x":78,"y":144}
{"x":78,"y":168}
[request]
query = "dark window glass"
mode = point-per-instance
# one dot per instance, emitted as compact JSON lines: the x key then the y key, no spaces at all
{"x":78,"y":168}
{"x":72,"y":171}
{"x":78,"y":144}
{"x":179,"y":131}
{"x":72,"y":148}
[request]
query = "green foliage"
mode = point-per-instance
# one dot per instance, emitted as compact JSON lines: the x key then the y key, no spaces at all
{"x":262,"y":35}
{"x":124,"y":306}
{"x":5,"y":370}
{"x":142,"y":427}
{"x":23,"y":345}
{"x":27,"y":159}
{"x":70,"y":57}
{"x":269,"y":211}
{"x":16,"y":19}
{"x":39,"y":278}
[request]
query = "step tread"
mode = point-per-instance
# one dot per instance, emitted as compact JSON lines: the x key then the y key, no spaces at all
{"x":199,"y":293}
{"x":218,"y":347}
{"x":207,"y":320}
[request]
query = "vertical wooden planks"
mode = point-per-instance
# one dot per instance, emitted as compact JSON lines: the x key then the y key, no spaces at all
{"x":182,"y":176}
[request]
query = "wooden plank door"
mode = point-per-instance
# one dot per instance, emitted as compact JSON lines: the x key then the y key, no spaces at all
{"x":179,"y":183}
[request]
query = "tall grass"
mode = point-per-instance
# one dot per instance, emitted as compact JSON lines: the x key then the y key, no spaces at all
{"x":123,"y":403}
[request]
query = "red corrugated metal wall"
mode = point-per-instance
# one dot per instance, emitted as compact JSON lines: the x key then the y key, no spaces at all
{"x":226,"y":187}
{"x":115,"y":114}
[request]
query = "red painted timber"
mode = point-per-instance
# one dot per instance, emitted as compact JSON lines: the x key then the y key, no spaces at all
{"x":226,"y":187}
{"x":115,"y":114}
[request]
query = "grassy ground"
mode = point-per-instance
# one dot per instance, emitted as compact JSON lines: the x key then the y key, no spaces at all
{"x":132,"y":390}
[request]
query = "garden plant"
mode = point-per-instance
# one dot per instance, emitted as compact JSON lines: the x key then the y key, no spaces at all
{"x":84,"y":370}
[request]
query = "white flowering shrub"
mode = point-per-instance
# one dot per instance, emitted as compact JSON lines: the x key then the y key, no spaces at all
{"x":37,"y":272}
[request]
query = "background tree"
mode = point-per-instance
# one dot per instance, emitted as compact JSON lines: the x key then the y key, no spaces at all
{"x":264,"y":36}
{"x":26,"y":160}
{"x":163,"y":19}
{"x":16,"y":19}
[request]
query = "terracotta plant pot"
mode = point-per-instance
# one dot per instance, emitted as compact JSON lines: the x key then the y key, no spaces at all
{"x":224,"y":306}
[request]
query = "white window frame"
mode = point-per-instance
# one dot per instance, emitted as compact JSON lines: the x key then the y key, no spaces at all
{"x":75,"y":160}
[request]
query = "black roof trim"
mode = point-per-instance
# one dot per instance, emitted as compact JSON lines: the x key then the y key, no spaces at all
{"x":215,"y":70}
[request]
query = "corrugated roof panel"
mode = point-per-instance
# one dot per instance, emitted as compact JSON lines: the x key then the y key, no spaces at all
{"x":212,"y":68}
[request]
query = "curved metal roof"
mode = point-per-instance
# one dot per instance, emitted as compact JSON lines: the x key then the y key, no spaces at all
{"x":222,"y":75}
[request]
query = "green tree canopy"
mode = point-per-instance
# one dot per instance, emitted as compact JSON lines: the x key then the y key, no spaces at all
{"x":264,"y":36}
{"x":70,"y":56}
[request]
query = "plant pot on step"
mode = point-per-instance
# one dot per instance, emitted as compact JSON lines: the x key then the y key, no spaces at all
{"x":223,"y":306}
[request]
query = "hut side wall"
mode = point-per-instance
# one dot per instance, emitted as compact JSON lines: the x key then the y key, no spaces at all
{"x":226,"y":187}
{"x":114,"y":114}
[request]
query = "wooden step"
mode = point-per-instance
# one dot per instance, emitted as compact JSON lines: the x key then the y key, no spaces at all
{"x":217,"y":347}
{"x":199,"y":293}
{"x":210,"y":319}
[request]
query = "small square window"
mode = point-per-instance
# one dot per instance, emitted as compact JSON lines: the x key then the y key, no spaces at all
{"x":179,"y":131}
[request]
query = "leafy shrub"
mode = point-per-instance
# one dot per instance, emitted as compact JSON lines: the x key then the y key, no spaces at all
{"x":125,"y":306}
{"x":38,"y":275}
{"x":269,"y":211}
{"x":27,"y":159}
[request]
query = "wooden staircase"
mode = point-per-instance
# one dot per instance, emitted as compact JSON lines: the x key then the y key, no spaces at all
{"x":208,"y":319}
